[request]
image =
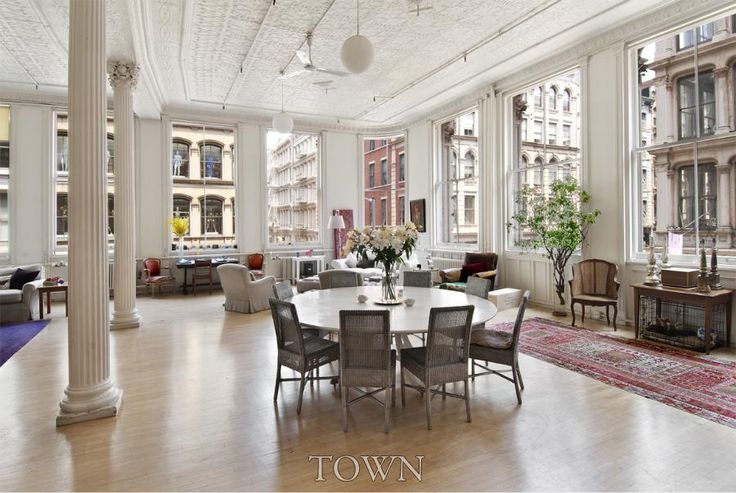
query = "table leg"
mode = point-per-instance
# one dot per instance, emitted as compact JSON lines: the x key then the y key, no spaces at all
{"x":636,"y":313}
{"x":185,"y":280}
{"x":40,"y":305}
{"x":48,"y":302}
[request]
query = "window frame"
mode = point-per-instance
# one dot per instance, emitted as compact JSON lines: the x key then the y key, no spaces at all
{"x":367,"y":210}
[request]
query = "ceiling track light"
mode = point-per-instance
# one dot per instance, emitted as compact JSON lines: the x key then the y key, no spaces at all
{"x":282,"y":122}
{"x":357,"y":51}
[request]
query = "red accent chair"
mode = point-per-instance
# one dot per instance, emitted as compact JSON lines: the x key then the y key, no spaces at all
{"x":255,"y":264}
{"x":153,"y":275}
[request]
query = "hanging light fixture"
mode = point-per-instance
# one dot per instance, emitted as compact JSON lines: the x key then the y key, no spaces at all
{"x":357,"y":51}
{"x":282,"y":122}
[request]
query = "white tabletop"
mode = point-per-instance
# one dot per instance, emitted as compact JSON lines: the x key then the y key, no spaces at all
{"x":321,"y":308}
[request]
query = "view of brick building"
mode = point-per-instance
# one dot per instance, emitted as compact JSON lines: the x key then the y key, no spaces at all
{"x":384,"y":178}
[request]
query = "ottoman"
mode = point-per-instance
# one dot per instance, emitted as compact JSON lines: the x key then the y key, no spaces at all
{"x":307,"y":284}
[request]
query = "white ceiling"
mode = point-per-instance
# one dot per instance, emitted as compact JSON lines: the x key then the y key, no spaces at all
{"x":206,"y":53}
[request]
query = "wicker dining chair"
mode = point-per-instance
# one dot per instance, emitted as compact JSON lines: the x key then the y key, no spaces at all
{"x":282,"y":291}
{"x":202,"y":271}
{"x":367,"y":360}
{"x":444,"y":359}
{"x":478,"y":286}
{"x":299,"y":353}
{"x":339,"y":279}
{"x":500,"y":347}
{"x":418,"y":278}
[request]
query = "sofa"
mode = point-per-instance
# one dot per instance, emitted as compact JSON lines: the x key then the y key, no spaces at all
{"x":19,"y":305}
{"x":243,"y":293}
{"x":368,"y":269}
{"x":486,"y":263}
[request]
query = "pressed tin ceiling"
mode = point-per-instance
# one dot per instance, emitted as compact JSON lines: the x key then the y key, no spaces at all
{"x":204,"y":54}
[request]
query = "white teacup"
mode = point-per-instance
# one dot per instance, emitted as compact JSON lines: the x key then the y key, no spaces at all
{"x":409,"y":301}
{"x":362,"y":298}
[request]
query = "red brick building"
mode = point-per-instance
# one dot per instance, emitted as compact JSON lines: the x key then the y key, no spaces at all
{"x":384,"y":180}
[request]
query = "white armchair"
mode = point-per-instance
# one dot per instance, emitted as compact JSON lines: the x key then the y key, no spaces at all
{"x":243,"y":293}
{"x":19,"y":305}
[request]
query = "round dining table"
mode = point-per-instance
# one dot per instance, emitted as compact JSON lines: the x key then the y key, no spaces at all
{"x":321,"y":308}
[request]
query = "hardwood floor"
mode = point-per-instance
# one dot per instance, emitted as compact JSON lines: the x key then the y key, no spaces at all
{"x":197,"y":415}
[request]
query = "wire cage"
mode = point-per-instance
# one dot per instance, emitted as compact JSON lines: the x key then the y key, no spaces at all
{"x":680,"y":324}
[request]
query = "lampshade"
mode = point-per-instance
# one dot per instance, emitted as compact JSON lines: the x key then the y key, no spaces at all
{"x":336,"y":222}
{"x":282,"y":122}
{"x":357,"y":54}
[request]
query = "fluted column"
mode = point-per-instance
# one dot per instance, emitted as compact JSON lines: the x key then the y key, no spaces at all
{"x":91,"y":393}
{"x":721,"y":86}
{"x":123,"y":78}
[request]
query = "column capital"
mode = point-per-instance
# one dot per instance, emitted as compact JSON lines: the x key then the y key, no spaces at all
{"x":720,"y":71}
{"x":123,"y":73}
{"x":723,"y":167}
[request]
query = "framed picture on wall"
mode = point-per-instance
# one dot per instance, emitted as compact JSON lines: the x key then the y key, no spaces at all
{"x":417,"y":214}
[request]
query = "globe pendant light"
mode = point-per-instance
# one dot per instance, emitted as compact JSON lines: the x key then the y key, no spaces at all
{"x":282,"y":122}
{"x":357,"y":51}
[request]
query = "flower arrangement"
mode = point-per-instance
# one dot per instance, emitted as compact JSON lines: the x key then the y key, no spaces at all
{"x":180,"y":227}
{"x":389,"y":245}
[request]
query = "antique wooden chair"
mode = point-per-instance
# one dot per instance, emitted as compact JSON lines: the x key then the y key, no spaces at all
{"x":594,"y":283}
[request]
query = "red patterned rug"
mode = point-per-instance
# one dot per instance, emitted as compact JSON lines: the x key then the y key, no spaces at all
{"x":700,"y":385}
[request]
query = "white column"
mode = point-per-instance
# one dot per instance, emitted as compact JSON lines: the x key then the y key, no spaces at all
{"x":723,"y":202}
{"x":721,"y":81}
{"x":123,"y":78}
{"x":91,"y":393}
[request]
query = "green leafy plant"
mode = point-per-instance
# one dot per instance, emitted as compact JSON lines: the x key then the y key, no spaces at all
{"x":556,"y":220}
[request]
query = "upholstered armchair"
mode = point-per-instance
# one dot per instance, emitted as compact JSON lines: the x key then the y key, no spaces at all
{"x":157,"y":274}
{"x":243,"y":293}
{"x":484,"y":266}
{"x":594,"y":283}
{"x":255,"y":264}
{"x":19,"y":305}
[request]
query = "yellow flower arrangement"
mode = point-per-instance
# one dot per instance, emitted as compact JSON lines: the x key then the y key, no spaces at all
{"x":179,"y":225}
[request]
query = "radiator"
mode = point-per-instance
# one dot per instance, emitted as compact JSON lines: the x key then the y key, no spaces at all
{"x":446,"y":263}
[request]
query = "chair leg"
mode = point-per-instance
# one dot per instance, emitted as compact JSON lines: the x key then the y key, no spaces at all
{"x":344,"y":399}
{"x":278,"y":383}
{"x":608,"y":317}
{"x":518,"y":374}
{"x":428,"y":405}
{"x":582,"y":317}
{"x":515,"y":374}
{"x":403,"y":388}
{"x":467,"y":400}
{"x":444,"y":389}
{"x":615,"y":314}
{"x":387,"y":405}
{"x":572,"y":309}
{"x":472,"y":369}
{"x":301,"y":393}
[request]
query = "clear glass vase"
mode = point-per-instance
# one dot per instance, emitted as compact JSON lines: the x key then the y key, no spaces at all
{"x":181,"y":246}
{"x":388,"y":283}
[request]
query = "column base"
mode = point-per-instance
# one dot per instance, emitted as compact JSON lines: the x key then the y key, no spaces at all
{"x":125,"y":320}
{"x":100,"y":405}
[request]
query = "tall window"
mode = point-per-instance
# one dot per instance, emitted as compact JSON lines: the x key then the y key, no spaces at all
{"x":402,"y":210}
{"x":455,"y":184}
{"x":382,"y":193}
{"x":62,"y":167}
{"x":180,"y":158}
{"x":534,"y":161}
{"x":202,"y":173}
{"x":705,"y":100}
{"x":4,"y":181}
{"x":538,"y":96}
{"x":469,"y":209}
{"x":684,"y":144}
{"x":293,"y":184}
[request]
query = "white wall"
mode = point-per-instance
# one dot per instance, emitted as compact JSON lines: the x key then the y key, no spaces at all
{"x":151,"y":215}
{"x":340,"y":181}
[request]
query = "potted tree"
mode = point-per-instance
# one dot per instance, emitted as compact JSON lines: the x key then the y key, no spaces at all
{"x":557,"y":221}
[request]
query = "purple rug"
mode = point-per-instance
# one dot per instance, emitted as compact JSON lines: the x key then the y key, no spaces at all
{"x":15,"y":336}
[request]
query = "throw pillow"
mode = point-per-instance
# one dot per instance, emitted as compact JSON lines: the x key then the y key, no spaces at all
{"x":21,"y":277}
{"x":338,"y":264}
{"x":468,"y":270}
{"x":351,"y":260}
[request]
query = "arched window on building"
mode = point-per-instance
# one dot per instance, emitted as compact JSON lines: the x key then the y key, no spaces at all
{"x":62,"y":151}
{"x":110,"y":154}
{"x":706,"y":194}
{"x":538,"y":97}
{"x":552,"y":97}
{"x":538,"y":172}
{"x":469,"y":164}
{"x":211,"y":215}
{"x":552,"y":170}
{"x":210,"y":160}
{"x":183,"y":207}
{"x":566,"y":100}
{"x":180,"y":158}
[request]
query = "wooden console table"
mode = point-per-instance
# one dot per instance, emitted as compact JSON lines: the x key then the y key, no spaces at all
{"x":686,"y":297}
{"x":47,"y":290}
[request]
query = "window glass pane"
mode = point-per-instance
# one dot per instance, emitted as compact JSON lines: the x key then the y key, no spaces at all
{"x":62,"y":167}
{"x":293,"y":183}
{"x":685,"y":148}
{"x":203,"y":188}
{"x":384,"y":180}
{"x":4,"y":181}
{"x":546,"y":156}
{"x":457,"y":186}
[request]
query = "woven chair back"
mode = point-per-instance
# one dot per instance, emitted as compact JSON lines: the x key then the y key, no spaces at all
{"x":449,"y":334}
{"x":365,"y":348}
{"x":282,"y":291}
{"x":418,"y":278}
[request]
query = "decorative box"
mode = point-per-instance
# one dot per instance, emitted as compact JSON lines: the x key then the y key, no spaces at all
{"x":679,"y":277}
{"x":505,"y":298}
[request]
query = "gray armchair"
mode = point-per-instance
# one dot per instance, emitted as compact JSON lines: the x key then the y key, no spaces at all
{"x":19,"y":305}
{"x":243,"y":293}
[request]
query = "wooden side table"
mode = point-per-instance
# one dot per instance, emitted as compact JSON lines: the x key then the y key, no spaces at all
{"x":48,"y":290}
